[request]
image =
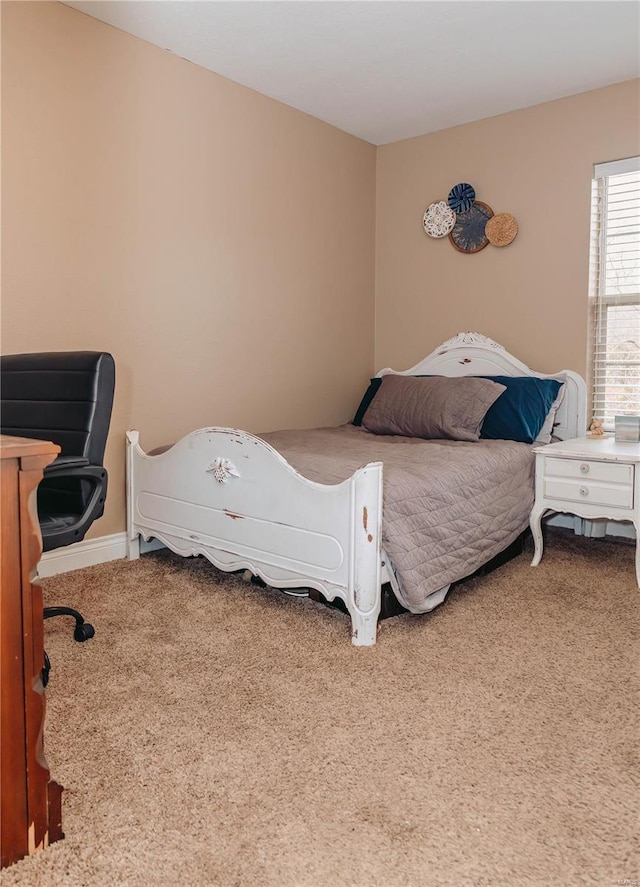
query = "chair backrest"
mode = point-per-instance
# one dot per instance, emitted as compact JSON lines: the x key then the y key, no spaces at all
{"x":64,"y":396}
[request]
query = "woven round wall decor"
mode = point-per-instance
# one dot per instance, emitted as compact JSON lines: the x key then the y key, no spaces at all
{"x":501,"y":230}
{"x":438,"y":219}
{"x":461,"y":197}
{"x":468,"y":233}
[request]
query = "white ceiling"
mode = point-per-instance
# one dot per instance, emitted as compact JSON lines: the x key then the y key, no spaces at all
{"x":386,"y":70}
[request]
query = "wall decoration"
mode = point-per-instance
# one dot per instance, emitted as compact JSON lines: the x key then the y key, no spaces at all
{"x":468,"y":233}
{"x":470,"y":223}
{"x":438,"y":219}
{"x":461,"y":197}
{"x":501,"y":230}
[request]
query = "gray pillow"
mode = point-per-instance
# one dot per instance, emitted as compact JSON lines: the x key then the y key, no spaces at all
{"x":433,"y":408}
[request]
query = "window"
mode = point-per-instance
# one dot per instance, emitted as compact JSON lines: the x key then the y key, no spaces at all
{"x":614,"y":292}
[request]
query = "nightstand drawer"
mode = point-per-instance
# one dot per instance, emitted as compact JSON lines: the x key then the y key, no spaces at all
{"x":613,"y":472}
{"x":592,"y":493}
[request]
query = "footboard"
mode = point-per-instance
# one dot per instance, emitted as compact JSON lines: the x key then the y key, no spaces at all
{"x":231,"y":497}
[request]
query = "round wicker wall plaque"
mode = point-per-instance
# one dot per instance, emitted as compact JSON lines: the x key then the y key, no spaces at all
{"x":501,"y":230}
{"x":468,"y":233}
{"x":438,"y":219}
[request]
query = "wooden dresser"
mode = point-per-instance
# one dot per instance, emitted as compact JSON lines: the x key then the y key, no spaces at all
{"x":30,"y":802}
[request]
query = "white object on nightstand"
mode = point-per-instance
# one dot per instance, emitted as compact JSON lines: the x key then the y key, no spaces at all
{"x":590,"y":478}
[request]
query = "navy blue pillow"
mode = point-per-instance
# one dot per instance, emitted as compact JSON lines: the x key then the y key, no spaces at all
{"x":520,"y":411}
{"x":369,"y":394}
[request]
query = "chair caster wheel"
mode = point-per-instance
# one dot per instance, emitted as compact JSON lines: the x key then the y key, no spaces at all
{"x":46,"y":668}
{"x":84,"y":632}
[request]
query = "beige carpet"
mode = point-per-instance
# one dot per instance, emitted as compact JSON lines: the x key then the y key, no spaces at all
{"x":213,"y":733}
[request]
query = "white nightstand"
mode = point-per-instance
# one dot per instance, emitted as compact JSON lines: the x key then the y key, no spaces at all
{"x":589,"y":478}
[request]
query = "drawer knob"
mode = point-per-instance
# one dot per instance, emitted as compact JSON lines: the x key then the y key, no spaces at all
{"x":584,"y":491}
{"x":584,"y":468}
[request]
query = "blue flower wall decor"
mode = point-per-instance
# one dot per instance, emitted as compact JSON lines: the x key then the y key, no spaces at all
{"x":461,"y":197}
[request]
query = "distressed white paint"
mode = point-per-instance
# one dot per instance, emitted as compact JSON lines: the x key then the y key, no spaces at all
{"x":286,"y":529}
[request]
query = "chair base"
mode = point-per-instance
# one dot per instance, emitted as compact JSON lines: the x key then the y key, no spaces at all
{"x":83,"y":630}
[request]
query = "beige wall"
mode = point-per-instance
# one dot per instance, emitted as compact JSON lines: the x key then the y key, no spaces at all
{"x":218,"y":243}
{"x":530,"y":296}
{"x":221,"y":245}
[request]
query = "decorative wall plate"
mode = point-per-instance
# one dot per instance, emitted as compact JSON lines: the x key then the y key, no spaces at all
{"x":468,"y":234}
{"x":438,"y":219}
{"x":461,"y":197}
{"x":501,"y":230}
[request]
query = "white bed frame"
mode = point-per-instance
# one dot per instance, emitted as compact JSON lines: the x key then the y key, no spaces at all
{"x":229,"y":496}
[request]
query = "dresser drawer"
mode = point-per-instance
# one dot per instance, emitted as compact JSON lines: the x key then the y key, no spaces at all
{"x":612,"y":472}
{"x":590,"y":492}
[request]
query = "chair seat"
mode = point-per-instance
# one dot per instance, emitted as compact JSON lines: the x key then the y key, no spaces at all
{"x":49,"y":522}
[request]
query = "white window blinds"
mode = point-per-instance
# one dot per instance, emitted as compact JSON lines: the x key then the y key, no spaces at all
{"x":614,"y":292}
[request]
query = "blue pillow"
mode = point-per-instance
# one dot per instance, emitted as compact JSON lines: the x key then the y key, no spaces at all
{"x":369,"y":394}
{"x":520,"y":411}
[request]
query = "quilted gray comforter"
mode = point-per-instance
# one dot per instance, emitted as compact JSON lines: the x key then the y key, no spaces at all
{"x":449,"y":506}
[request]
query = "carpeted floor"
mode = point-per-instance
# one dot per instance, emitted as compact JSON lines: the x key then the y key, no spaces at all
{"x":214,"y":733}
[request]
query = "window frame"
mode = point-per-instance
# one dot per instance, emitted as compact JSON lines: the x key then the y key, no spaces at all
{"x":599,"y":300}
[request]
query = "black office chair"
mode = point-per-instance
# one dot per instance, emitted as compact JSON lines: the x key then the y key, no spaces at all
{"x":65,"y":397}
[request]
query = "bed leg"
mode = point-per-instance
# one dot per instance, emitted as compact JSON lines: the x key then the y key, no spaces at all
{"x":364,"y":628}
{"x":133,"y":548}
{"x":133,"y":538}
{"x":364,"y":582}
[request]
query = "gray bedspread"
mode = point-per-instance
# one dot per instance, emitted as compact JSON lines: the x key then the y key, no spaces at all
{"x":449,"y":506}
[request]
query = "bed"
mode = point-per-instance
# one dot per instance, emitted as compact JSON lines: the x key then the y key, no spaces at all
{"x":304,"y":509}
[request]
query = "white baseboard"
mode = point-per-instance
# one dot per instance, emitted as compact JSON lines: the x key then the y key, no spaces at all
{"x":88,"y":553}
{"x":83,"y":554}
